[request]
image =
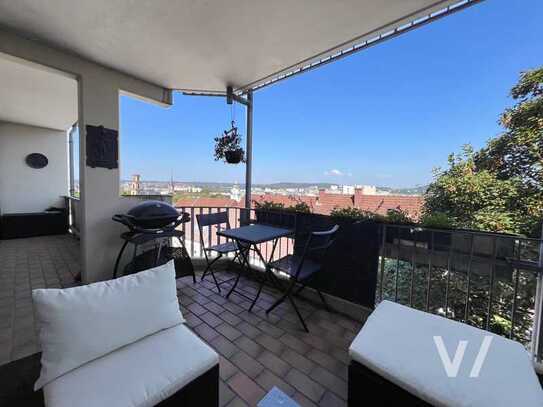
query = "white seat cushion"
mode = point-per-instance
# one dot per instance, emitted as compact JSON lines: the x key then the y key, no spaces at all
{"x":397,"y":343}
{"x":140,"y":374}
{"x":79,"y":324}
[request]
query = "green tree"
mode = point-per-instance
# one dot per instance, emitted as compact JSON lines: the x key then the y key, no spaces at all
{"x":500,"y":187}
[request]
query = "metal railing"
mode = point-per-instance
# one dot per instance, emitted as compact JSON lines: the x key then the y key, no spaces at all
{"x":236,"y":216}
{"x":483,"y":279}
{"x":486,"y":280}
{"x":73,"y":205}
{"x":150,"y":197}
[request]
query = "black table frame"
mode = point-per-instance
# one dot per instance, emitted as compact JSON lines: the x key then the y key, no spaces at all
{"x":245,"y":244}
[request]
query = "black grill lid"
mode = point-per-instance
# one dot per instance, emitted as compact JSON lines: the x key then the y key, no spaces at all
{"x":149,"y":216}
{"x":153,"y":209}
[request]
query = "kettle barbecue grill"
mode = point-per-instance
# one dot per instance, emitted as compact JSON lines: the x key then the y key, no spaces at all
{"x":152,"y":217}
{"x":154,"y":221}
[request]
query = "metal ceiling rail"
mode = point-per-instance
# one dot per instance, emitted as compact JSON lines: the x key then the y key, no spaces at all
{"x":336,"y":53}
{"x":332,"y":56}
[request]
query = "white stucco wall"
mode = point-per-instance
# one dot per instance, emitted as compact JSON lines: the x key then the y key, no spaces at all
{"x":23,"y":189}
{"x":98,"y":95}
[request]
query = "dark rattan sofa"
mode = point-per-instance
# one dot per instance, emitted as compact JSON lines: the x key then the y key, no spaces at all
{"x":17,"y":380}
{"x":120,"y":343}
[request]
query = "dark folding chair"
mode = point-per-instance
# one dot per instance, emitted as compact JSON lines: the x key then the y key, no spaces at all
{"x":208,"y":221}
{"x":304,"y":268}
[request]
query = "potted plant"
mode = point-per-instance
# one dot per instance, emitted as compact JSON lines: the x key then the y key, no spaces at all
{"x":228,"y":146}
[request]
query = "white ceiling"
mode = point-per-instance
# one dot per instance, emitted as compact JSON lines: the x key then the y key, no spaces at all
{"x":206,"y":44}
{"x":36,"y":95}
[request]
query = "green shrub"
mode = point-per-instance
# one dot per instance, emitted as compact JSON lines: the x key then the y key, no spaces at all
{"x":276,"y":206}
{"x":500,"y":325}
{"x":301,"y":207}
{"x":437,"y":220}
{"x":398,"y":217}
{"x":351,"y":213}
{"x":269,"y":206}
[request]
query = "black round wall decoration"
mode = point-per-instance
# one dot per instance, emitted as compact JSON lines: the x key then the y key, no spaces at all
{"x":36,"y":160}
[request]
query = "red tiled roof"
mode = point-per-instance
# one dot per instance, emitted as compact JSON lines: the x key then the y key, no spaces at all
{"x":380,"y":204}
{"x":286,"y":200}
{"x":326,"y":202}
{"x":217,"y":202}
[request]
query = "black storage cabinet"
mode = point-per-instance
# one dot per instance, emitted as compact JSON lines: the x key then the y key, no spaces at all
{"x":19,"y":225}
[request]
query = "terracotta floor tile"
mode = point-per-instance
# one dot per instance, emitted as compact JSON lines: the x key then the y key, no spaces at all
{"x":246,"y":388}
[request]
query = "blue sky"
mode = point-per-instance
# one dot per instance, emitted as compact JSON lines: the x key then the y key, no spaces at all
{"x":385,"y":116}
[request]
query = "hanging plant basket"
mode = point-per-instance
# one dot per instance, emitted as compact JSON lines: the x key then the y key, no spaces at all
{"x":233,"y":156}
{"x":228,"y":147}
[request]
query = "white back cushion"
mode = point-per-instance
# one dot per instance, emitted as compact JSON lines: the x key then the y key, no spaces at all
{"x":79,"y":324}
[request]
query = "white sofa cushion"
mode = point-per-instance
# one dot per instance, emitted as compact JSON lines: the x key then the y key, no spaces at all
{"x":79,"y":324}
{"x":138,"y":375}
{"x":397,"y":343}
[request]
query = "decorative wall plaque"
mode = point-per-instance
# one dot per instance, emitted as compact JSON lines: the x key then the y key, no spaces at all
{"x":36,"y":160}
{"x":102,"y":147}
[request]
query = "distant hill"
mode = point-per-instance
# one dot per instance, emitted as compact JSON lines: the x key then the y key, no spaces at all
{"x":225,"y":186}
{"x":418,"y":190}
{"x":284,"y":185}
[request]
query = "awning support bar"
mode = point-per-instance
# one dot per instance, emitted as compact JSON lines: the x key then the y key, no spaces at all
{"x":249,"y":151}
{"x":247,"y":101}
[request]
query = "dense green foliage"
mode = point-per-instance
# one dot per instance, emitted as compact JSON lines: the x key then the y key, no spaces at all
{"x":398,"y":217}
{"x":269,"y":206}
{"x":444,"y":291}
{"x":277,"y":206}
{"x":351,"y":213}
{"x":500,"y":187}
{"x":300,"y":207}
{"x":436,"y":220}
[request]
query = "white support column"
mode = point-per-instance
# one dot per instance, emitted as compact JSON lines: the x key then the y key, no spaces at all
{"x":98,"y":105}
{"x":99,"y":89}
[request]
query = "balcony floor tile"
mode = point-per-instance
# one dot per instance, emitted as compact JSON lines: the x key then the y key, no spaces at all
{"x":257,"y":351}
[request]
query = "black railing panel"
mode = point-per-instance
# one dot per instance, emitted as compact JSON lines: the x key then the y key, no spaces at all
{"x":469,"y":276}
{"x":484,"y":279}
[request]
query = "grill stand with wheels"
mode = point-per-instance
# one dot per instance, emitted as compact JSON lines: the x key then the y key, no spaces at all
{"x":139,"y":239}
{"x":154,"y":221}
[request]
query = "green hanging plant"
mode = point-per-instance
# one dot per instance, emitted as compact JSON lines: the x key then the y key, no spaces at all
{"x":228,"y":146}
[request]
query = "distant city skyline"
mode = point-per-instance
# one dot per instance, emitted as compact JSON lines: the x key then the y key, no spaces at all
{"x":315,"y":198}
{"x":189,"y":182}
{"x":386,"y":116}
